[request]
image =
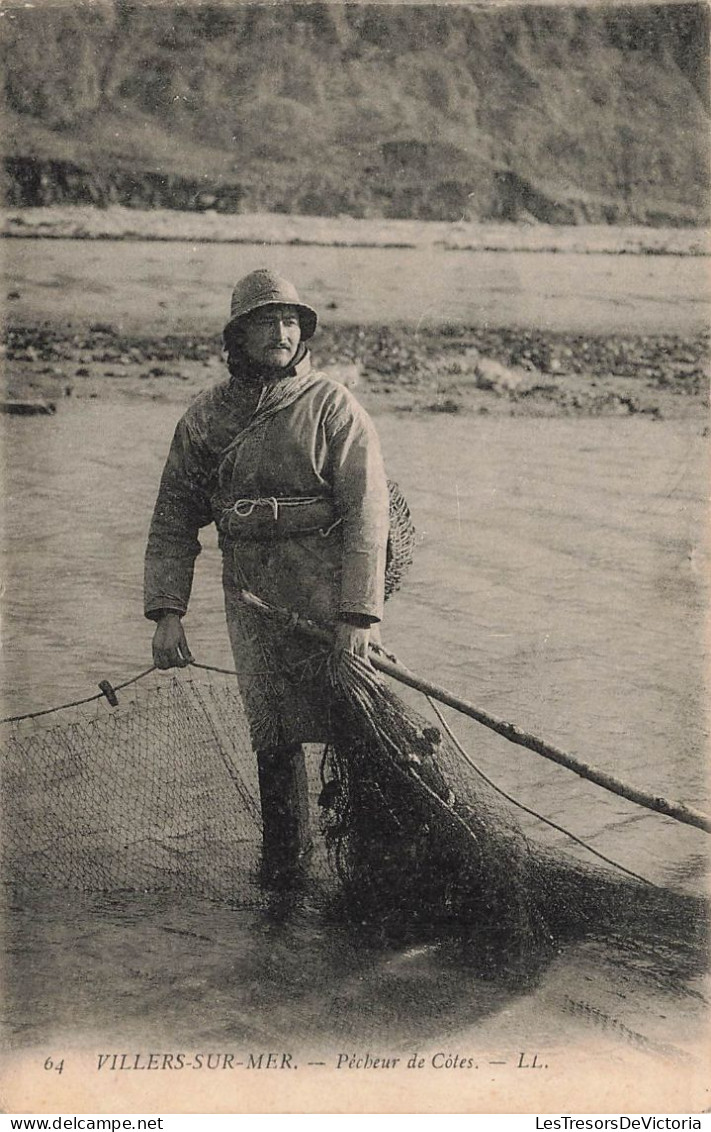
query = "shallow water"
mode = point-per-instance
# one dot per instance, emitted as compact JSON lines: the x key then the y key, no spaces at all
{"x":160,"y":286}
{"x":559,"y":583}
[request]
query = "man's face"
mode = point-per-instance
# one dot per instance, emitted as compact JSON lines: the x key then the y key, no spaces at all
{"x":271,"y":335}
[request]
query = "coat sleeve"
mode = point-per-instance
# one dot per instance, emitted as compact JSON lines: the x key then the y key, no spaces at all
{"x":181,"y":509}
{"x":362,"y":500}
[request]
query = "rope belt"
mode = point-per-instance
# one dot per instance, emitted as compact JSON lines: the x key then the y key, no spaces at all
{"x":278,"y":517}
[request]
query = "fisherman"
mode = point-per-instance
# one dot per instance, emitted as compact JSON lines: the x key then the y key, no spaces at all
{"x":288,"y":465}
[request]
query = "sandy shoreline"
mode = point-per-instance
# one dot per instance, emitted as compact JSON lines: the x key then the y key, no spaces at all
{"x":120,"y":223}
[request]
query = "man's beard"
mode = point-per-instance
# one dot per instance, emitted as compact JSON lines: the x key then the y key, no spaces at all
{"x":252,"y":372}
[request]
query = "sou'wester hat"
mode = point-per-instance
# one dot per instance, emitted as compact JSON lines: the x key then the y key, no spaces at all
{"x":264,"y":288}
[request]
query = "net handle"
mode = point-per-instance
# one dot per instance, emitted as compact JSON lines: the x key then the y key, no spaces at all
{"x":688,"y":815}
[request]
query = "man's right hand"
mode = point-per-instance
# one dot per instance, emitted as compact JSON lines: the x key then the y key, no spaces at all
{"x":170,"y":645}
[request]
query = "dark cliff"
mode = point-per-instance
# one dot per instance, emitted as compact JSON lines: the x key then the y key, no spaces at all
{"x":437,"y":112}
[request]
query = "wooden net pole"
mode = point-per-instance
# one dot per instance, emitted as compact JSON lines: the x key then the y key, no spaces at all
{"x":677,"y":810}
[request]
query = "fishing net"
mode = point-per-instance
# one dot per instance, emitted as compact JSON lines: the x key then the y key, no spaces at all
{"x":422,"y":843}
{"x":401,"y":540}
{"x":160,"y":794}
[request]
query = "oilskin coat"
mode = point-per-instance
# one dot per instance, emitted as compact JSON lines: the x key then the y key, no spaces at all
{"x":307,"y":438}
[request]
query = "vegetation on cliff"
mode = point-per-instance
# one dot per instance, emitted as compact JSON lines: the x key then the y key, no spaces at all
{"x":437,"y":112}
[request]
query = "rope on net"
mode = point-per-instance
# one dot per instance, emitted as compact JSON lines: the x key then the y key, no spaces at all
{"x":108,"y":692}
{"x":527,"y":809}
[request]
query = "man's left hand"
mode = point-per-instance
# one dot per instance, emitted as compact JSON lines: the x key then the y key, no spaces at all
{"x":351,"y":638}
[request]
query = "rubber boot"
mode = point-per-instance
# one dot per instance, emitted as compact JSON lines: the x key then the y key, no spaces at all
{"x":283,"y":792}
